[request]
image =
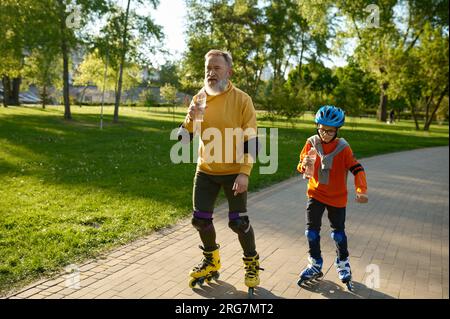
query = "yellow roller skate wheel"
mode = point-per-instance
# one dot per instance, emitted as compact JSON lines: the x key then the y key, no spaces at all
{"x":192,"y":283}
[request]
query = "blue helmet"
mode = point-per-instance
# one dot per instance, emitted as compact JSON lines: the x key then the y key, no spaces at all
{"x":330,"y":115}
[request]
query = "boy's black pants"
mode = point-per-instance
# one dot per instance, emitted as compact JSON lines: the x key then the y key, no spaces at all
{"x":336,"y":215}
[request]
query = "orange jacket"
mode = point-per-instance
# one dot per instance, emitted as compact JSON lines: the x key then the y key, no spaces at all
{"x":335,"y":192}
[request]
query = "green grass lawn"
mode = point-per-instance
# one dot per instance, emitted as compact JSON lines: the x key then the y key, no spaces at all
{"x":69,"y":190}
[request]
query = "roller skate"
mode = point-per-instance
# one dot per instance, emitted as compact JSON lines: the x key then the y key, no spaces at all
{"x":207,"y":269}
{"x":344,"y":272}
{"x":312,"y":272}
{"x":251,"y":273}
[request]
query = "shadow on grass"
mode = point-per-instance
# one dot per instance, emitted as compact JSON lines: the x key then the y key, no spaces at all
{"x":132,"y":157}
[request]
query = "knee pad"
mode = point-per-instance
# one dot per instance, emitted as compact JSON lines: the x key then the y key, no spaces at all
{"x":238,"y":223}
{"x":201,"y":220}
{"x":312,"y":234}
{"x":338,"y":236}
{"x":201,"y":224}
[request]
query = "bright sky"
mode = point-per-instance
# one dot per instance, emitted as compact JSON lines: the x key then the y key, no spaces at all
{"x":171,"y":15}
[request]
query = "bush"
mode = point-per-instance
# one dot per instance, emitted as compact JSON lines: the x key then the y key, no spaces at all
{"x":147,"y":99}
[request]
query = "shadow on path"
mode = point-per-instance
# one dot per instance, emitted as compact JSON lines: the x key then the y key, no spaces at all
{"x":332,"y":290}
{"x":222,"y":290}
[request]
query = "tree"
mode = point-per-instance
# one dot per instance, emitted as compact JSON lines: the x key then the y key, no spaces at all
{"x":356,"y":90}
{"x":279,"y":99}
{"x":168,"y":74}
{"x":374,"y":43}
{"x":313,"y":78}
{"x":169,"y":93}
{"x":65,"y":12}
{"x":275,"y":34}
{"x":122,"y":62}
{"x":128,"y":37}
{"x":91,"y":71}
{"x":291,"y":33}
{"x":434,"y":60}
{"x":442,"y":113}
{"x":401,"y":25}
{"x":422,"y":74}
{"x":28,"y":24}
{"x":43,"y":69}
{"x":21,"y":23}
{"x":235,"y":26}
{"x":146,"y":98}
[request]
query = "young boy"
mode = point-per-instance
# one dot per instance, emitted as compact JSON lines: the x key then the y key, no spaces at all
{"x":327,"y":188}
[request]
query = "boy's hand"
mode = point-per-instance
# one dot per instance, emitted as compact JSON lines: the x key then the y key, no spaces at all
{"x":240,"y":184}
{"x":362,"y":198}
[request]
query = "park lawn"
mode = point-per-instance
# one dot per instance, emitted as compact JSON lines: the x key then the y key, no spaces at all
{"x":69,"y":191}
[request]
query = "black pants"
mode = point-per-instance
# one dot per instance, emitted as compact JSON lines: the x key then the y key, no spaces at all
{"x":336,"y":215}
{"x":206,"y":190}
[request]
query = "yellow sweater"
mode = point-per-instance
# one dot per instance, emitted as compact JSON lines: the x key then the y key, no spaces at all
{"x":218,"y":153}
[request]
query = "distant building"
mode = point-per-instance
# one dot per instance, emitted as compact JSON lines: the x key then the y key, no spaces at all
{"x":31,"y":96}
{"x":92,"y":95}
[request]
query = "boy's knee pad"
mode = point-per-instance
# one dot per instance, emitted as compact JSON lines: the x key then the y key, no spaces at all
{"x":338,"y":236}
{"x":239,"y":223}
{"x":312,"y":234}
{"x":202,"y":220}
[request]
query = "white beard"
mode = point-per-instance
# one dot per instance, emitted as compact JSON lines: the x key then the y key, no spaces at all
{"x":218,"y":88}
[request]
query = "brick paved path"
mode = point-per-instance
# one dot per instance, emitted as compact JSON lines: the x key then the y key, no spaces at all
{"x":401,"y":235}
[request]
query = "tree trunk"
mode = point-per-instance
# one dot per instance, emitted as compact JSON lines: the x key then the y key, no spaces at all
{"x":65,"y":56}
{"x":67,"y":113}
{"x":413,"y":112}
{"x":44,"y":96}
{"x":258,"y":80}
{"x":118,"y":95}
{"x":256,"y":83}
{"x":427,"y":125}
{"x":14,"y":97}
{"x":11,"y":91}
{"x":6,"y":90}
{"x":122,"y":61}
{"x":428,"y":102}
{"x":381,"y":113}
{"x":300,"y":62}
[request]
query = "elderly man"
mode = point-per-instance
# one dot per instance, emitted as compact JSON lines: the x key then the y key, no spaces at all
{"x":228,"y":109}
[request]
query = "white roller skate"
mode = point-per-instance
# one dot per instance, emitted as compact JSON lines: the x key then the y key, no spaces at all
{"x":344,"y":272}
{"x":312,"y":271}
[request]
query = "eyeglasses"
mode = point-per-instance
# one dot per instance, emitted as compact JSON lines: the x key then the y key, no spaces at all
{"x":328,"y":132}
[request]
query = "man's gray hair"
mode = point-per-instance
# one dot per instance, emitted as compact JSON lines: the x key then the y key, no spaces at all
{"x":226,"y":55}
